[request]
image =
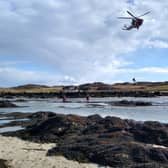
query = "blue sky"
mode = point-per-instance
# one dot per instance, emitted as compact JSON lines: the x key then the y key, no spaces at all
{"x":72,"y":42}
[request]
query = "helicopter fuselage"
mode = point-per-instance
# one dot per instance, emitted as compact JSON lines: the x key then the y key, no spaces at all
{"x":137,"y":22}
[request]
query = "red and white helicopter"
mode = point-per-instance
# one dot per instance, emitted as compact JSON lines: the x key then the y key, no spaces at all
{"x":136,"y":21}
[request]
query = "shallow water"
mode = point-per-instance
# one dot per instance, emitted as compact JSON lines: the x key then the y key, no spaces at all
{"x":10,"y":129}
{"x":157,"y":112}
{"x":5,"y":120}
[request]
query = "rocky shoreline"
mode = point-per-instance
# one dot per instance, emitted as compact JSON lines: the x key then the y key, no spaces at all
{"x":108,"y":141}
{"x":83,"y":94}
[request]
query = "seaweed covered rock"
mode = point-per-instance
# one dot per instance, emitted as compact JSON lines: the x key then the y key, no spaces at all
{"x":107,"y":141}
{"x":150,"y":132}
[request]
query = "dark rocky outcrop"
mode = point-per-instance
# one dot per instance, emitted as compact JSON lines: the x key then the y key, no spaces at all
{"x":24,"y":119}
{"x":130,"y":103}
{"x":107,"y":141}
{"x":151,"y":132}
{"x":4,"y":104}
{"x":82,"y":94}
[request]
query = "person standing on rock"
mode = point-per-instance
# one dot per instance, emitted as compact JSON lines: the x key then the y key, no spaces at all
{"x":134,"y":80}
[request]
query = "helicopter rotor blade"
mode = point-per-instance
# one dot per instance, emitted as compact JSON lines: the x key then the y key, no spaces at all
{"x":124,"y":17}
{"x":131,"y":14}
{"x":144,"y":14}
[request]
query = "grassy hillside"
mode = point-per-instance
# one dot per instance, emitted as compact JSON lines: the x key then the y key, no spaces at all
{"x":148,"y":86}
{"x":32,"y":89}
{"x":94,"y":87}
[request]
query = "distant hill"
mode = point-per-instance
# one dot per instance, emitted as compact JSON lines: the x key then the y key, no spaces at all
{"x":92,"y":87}
{"x":143,"y":83}
{"x":95,"y":86}
{"x":30,"y":86}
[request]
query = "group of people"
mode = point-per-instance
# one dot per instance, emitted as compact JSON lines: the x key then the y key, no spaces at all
{"x":64,"y":98}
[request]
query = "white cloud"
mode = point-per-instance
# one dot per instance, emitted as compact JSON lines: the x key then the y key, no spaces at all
{"x":157,"y":44}
{"x":147,"y":70}
{"x":13,"y":77}
{"x":155,"y":70}
{"x":80,"y":39}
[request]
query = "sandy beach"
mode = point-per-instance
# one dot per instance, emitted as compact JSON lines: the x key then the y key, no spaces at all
{"x":24,"y":154}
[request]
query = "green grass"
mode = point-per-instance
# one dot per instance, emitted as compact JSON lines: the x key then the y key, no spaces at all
{"x":157,"y":88}
{"x":56,"y":89}
{"x":32,"y":90}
